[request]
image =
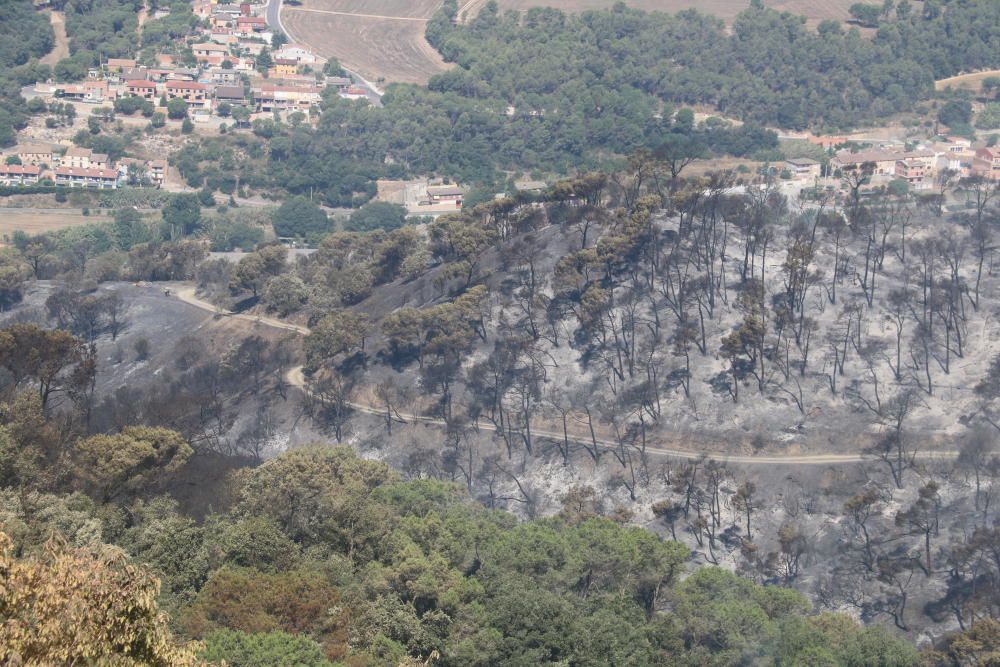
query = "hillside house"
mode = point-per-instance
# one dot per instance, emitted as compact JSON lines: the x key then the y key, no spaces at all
{"x":987,"y":163}
{"x":206,"y":49}
{"x":34,"y":155}
{"x":192,"y":92}
{"x":299,"y":54}
{"x":446,"y":194}
{"x":119,"y":65}
{"x":803,"y":169}
{"x":16,"y":174}
{"x":83,"y":158}
{"x":882,"y":163}
{"x":74,"y":177}
{"x":339,"y":82}
{"x":144,"y":89}
{"x":353,"y":93}
{"x":284,"y":66}
{"x":271,"y":97}
{"x":233,"y":95}
{"x":914,"y":172}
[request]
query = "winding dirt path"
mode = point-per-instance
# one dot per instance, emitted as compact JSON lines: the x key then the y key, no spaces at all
{"x":61,"y":48}
{"x":296,"y":378}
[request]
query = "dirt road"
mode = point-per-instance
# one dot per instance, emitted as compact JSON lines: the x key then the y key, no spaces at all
{"x":61,"y":48}
{"x":296,"y":378}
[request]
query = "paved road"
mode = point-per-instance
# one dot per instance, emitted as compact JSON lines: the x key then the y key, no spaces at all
{"x":296,"y":378}
{"x":273,"y":15}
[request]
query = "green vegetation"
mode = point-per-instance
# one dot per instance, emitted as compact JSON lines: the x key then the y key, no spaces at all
{"x":377,"y":215}
{"x":24,"y":35}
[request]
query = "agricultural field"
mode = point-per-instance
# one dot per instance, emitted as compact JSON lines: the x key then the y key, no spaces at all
{"x":973,"y":81}
{"x":39,"y":221}
{"x":384,"y":39}
{"x":379,"y":39}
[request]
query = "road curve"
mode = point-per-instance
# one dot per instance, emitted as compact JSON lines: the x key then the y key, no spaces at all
{"x":296,"y":378}
{"x":273,"y":16}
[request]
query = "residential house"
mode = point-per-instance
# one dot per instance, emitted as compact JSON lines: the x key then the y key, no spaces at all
{"x":207,"y":49}
{"x":34,"y":155}
{"x":987,"y":163}
{"x":353,"y":93}
{"x":299,"y":54}
{"x":247,"y":25}
{"x":283,"y":66}
{"x":217,"y":76}
{"x":880,"y":163}
{"x":914,"y":172}
{"x":446,"y":194}
{"x":119,"y":65}
{"x":143,"y":89}
{"x":804,"y":169}
{"x":72,"y":91}
{"x":339,"y":82}
{"x":98,"y":91}
{"x":83,"y":158}
{"x":17,"y":174}
{"x":233,"y":95}
{"x":157,"y":171}
{"x":275,"y":97}
{"x":78,"y":177}
{"x":827,"y":142}
{"x":192,"y":92}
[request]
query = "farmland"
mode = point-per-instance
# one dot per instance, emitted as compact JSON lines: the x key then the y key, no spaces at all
{"x":973,"y":81}
{"x":37,"y":221}
{"x":380,"y":39}
{"x":384,"y":39}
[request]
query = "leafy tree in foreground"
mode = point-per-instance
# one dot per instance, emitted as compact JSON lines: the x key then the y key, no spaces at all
{"x":81,"y":607}
{"x":299,"y":217}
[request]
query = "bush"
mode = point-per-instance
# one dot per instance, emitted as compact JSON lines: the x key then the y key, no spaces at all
{"x":377,"y":215}
{"x":141,"y":347}
{"x":299,"y":217}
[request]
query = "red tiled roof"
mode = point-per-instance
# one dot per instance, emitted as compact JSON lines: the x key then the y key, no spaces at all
{"x":20,"y":170}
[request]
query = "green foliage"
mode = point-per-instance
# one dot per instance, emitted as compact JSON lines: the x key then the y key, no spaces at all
{"x":989,"y":117}
{"x":299,"y":217}
{"x":956,"y":113}
{"x":182,"y":213}
{"x":268,"y":649}
{"x":176,"y":109}
{"x":377,"y":215}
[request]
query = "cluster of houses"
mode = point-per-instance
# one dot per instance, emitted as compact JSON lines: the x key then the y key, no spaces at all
{"x":232,"y":40}
{"x":75,"y":168}
{"x":920,"y":168}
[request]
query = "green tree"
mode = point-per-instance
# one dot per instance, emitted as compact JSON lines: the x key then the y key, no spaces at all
{"x":299,"y":217}
{"x":177,"y":109}
{"x":268,"y":649}
{"x":182,"y":214}
{"x":377,"y":215}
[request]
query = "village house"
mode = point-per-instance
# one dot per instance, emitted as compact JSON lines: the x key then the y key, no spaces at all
{"x":34,"y":155}
{"x":119,"y":65}
{"x":446,"y":194}
{"x":16,"y":174}
{"x":78,"y":177}
{"x":83,"y":158}
{"x":338,"y":82}
{"x":98,"y":92}
{"x":299,"y":54}
{"x":353,"y":93}
{"x":987,"y":163}
{"x":217,"y":76}
{"x":879,"y":163}
{"x":207,"y":49}
{"x":192,"y":92}
{"x":232,"y":95}
{"x":803,"y":169}
{"x":279,"y":98}
{"x":914,"y":172}
{"x":246,"y":25}
{"x":144,"y":89}
{"x":284,"y":66}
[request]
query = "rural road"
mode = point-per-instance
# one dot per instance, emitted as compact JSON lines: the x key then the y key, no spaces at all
{"x":273,"y":15}
{"x":296,"y":378}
